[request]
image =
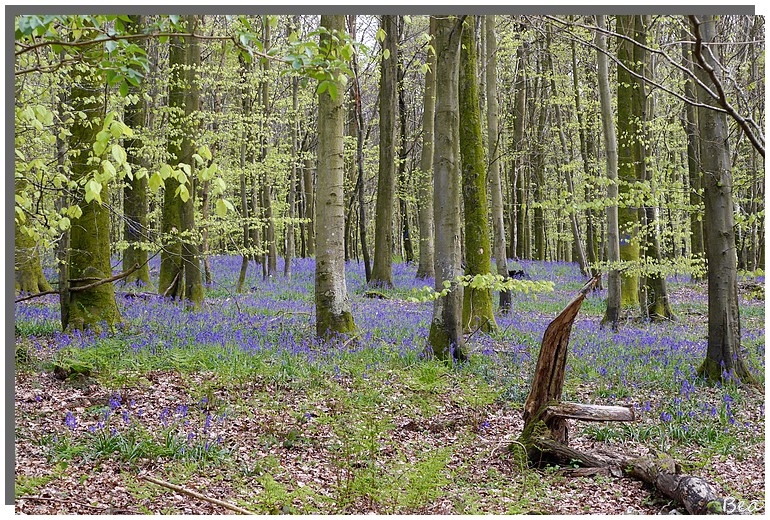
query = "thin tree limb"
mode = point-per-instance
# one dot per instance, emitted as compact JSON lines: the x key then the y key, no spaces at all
{"x":99,"y":282}
{"x":227,"y":505}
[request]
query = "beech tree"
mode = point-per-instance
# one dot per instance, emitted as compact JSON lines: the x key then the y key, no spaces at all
{"x":446,"y":335}
{"x":723,"y":355}
{"x":331,"y":296}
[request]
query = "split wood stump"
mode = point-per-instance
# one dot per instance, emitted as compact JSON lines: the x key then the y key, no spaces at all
{"x":545,"y":435}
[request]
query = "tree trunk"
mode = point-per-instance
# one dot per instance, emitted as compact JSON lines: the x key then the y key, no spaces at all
{"x":289,"y":254}
{"x":723,"y":356}
{"x":445,"y":337}
{"x":518,"y":176}
{"x":135,"y":203}
{"x":574,"y":225}
{"x":612,"y":314}
{"x":478,"y":312}
{"x":180,"y":275}
{"x":29,"y":272}
{"x":89,"y":254}
{"x":493,"y":139}
{"x":386,"y":180}
{"x":630,"y":113}
{"x":267,"y":187}
{"x":331,"y":296}
{"x":361,"y":180}
{"x":690,"y":122}
{"x":425,"y":177}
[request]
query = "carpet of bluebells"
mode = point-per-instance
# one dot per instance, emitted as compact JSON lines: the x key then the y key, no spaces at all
{"x":650,"y":366}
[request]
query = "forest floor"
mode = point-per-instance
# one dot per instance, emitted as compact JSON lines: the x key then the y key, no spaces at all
{"x":239,"y":403}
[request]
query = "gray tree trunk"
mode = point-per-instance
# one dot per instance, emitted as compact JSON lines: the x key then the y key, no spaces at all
{"x":723,"y":355}
{"x":331,"y":295}
{"x":446,"y":337}
{"x":612,"y":314}
{"x":493,"y":140}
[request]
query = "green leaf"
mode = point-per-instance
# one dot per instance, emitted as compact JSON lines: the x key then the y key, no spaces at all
{"x":380,"y":34}
{"x":183,"y":193}
{"x":221,"y":208}
{"x":386,"y":54}
{"x":156,"y":181}
{"x":109,"y":170}
{"x":64,"y":223}
{"x":93,"y":189}
{"x":119,"y":154}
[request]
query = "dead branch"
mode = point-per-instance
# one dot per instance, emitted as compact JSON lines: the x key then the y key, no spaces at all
{"x":99,"y":282}
{"x":195,"y":494}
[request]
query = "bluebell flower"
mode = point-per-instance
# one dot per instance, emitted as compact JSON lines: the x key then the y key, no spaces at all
{"x":71,"y":421}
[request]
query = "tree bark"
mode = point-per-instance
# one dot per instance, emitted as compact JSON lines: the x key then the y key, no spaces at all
{"x":425,"y":178}
{"x":723,"y":355}
{"x":630,"y":113}
{"x":445,"y":337}
{"x":478,"y":312}
{"x":493,"y":139}
{"x":382,"y":271}
{"x":89,"y":254}
{"x":612,"y":314}
{"x":331,"y":298}
{"x":135,"y":202}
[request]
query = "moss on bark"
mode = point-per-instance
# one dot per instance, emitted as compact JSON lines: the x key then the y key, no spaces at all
{"x":478,"y":310}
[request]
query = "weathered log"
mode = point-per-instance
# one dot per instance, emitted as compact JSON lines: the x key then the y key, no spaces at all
{"x":658,"y":470}
{"x":588,"y":412}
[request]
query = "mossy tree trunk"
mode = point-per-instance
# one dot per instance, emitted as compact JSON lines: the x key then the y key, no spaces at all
{"x":135,"y":202}
{"x":180,"y":274}
{"x":630,"y":114}
{"x":478,"y":312}
{"x":331,"y":297}
{"x":723,"y":355}
{"x":29,"y":272}
{"x":446,"y":336}
{"x":612,"y":314}
{"x":89,"y":254}
{"x":382,"y":270}
{"x":493,"y":140}
{"x":425,"y":179}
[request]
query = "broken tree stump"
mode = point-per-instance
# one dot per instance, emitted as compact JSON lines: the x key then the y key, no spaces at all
{"x":545,"y":434}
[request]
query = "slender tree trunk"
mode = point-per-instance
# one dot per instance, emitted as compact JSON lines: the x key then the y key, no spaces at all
{"x":575,"y":227}
{"x":310,"y":211}
{"x":656,"y":303}
{"x":267,"y":188}
{"x":89,"y":254}
{"x":518,"y":175}
{"x":425,"y":179}
{"x":386,"y":181}
{"x":723,"y":355}
{"x":289,"y":255}
{"x":478,"y":312}
{"x":404,"y":184}
{"x":331,"y":297}
{"x":135,"y":204}
{"x":243,"y":160}
{"x":360,"y":182}
{"x":445,"y":337}
{"x":690,"y":122}
{"x":493,"y":139}
{"x":612,"y":314}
